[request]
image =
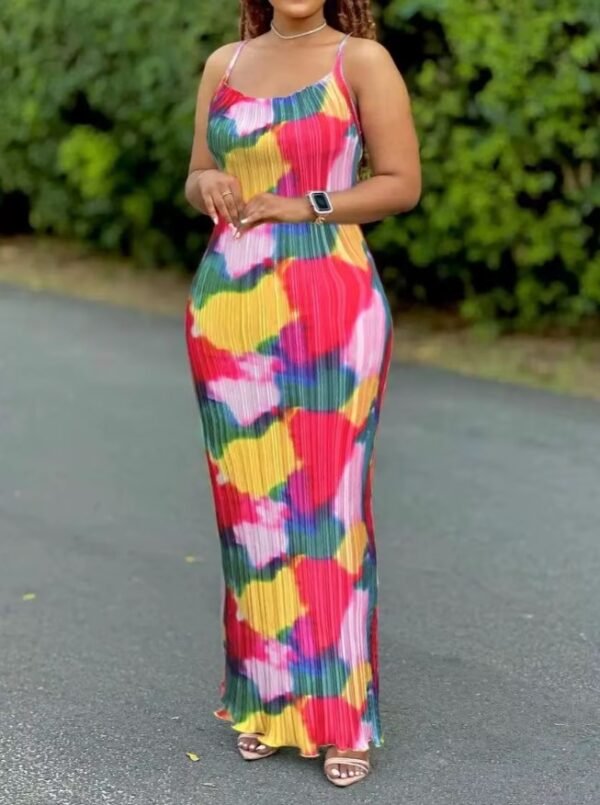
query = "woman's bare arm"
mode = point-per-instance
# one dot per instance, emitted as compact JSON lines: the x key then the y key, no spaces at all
{"x":389,"y":132}
{"x":208,"y":198}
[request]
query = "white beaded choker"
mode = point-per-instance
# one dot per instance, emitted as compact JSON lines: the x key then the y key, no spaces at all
{"x":297,"y":36}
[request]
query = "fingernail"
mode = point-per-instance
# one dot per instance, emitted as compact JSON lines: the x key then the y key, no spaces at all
{"x":215,"y":220}
{"x":238,"y":235}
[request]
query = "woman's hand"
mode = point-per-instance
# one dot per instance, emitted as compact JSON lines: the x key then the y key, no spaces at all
{"x":271,"y":208}
{"x":221,"y":195}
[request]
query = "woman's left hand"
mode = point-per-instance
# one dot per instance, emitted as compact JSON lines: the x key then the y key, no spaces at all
{"x":272,"y":208}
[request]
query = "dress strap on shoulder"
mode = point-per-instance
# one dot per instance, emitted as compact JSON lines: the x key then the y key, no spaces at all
{"x":342,"y":44}
{"x":340,"y":75}
{"x":234,"y":59}
{"x":340,"y":50}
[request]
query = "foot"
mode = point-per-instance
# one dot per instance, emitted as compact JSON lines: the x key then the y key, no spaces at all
{"x":343,"y":771}
{"x":251,"y":743}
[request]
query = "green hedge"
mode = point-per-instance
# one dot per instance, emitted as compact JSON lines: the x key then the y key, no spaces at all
{"x":98,"y":103}
{"x":97,"y":122}
{"x":505,"y":97}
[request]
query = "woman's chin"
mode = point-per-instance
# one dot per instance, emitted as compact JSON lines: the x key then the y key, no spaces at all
{"x":297,"y":9}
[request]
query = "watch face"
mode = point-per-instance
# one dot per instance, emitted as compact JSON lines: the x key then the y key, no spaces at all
{"x":321,"y":202}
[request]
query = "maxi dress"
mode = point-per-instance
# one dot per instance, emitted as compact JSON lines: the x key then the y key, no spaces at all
{"x":289,"y":337}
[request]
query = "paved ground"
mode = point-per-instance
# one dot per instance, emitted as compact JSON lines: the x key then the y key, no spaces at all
{"x":488,"y":516}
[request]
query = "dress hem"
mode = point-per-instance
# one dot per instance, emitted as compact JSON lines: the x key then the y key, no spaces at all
{"x":374,"y":743}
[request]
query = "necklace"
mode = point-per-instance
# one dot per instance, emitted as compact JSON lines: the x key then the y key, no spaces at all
{"x":297,"y":36}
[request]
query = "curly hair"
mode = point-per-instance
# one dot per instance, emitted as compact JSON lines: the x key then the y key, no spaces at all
{"x":349,"y":16}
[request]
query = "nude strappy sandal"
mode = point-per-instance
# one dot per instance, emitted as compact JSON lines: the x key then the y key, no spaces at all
{"x":358,"y":763}
{"x":248,"y":754}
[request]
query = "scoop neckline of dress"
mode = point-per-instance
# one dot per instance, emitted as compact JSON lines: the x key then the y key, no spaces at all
{"x":312,"y":85}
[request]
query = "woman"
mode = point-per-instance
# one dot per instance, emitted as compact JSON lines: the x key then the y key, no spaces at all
{"x":289,"y":336}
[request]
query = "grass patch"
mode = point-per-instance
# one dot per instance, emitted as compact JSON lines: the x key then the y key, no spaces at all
{"x":565,"y":363}
{"x":50,"y":265}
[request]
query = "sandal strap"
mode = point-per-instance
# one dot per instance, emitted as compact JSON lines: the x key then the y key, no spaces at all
{"x":250,"y":735}
{"x":347,"y":761}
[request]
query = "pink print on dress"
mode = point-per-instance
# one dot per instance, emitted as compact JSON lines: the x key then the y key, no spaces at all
{"x":341,"y":168}
{"x":251,"y":395}
{"x":266,"y":539}
{"x":347,"y":505}
{"x":352,"y":646}
{"x":280,"y":656}
{"x":243,"y":254}
{"x":366,"y":345}
{"x":251,"y":115}
{"x":271,"y":682}
{"x":365,"y":734}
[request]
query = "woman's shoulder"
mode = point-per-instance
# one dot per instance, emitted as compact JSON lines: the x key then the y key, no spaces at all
{"x":366,"y":53}
{"x":220,"y":58}
{"x":367,"y":61}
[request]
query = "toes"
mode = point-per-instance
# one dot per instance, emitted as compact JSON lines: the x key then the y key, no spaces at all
{"x":252,"y":745}
{"x":344,"y":771}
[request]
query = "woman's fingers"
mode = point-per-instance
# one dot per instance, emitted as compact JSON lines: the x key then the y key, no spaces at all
{"x":232,"y":194}
{"x":207,"y":197}
{"x":237,"y":198}
{"x":228,"y":201}
{"x":254,"y":212}
{"x":222,"y":197}
{"x":231,"y":204}
{"x":249,"y":218}
{"x":210,"y":208}
{"x":220,"y":203}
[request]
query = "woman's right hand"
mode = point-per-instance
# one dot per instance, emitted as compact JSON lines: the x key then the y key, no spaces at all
{"x":221,"y":195}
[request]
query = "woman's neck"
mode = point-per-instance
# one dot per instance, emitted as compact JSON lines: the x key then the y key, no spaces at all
{"x":288,"y":26}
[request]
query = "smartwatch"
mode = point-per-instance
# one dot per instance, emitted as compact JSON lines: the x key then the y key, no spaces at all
{"x":321,"y":204}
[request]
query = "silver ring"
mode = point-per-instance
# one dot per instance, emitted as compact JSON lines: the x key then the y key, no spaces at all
{"x":228,"y":193}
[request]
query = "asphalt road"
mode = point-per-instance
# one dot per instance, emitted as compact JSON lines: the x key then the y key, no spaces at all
{"x":487,"y":506}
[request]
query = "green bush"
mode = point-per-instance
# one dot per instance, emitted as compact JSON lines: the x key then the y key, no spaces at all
{"x":96,"y":128}
{"x":97,"y":121}
{"x":505,"y":98}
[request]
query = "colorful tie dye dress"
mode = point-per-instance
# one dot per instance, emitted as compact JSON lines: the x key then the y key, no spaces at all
{"x":289,"y":337}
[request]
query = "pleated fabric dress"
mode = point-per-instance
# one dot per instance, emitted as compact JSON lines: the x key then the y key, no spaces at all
{"x":289,"y":337}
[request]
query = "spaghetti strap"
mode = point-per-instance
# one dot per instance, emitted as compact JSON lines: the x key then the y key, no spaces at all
{"x":234,"y":59}
{"x":342,"y":45}
{"x":338,"y":71}
{"x":338,"y":67}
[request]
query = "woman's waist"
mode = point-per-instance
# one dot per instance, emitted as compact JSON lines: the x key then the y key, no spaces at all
{"x":282,"y":231}
{"x":275,"y":242}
